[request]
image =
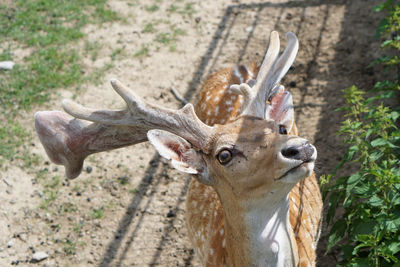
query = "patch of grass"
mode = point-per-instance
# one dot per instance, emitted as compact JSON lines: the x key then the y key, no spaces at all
{"x":97,"y":75}
{"x":97,"y":213}
{"x":142,"y":52}
{"x":67,"y":208}
{"x":133,"y":191}
{"x":12,"y":135}
{"x":152,"y":8}
{"x":123,"y":180}
{"x":170,"y":38}
{"x":49,"y":197}
{"x":92,"y":49}
{"x":46,"y":29}
{"x":77,"y":228}
{"x":186,"y":10}
{"x":149,"y":28}
{"x":47,"y":22}
{"x":117,"y":53}
{"x":69,"y":247}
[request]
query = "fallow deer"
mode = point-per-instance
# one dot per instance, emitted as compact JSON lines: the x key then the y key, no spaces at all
{"x":254,"y":200}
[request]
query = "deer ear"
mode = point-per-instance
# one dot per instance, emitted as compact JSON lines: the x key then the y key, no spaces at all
{"x":183,"y":157}
{"x":281,"y":109}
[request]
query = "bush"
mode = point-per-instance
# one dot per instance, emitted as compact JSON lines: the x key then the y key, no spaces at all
{"x":369,"y":230}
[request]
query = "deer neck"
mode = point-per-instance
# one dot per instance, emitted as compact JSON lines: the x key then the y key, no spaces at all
{"x":258,"y":231}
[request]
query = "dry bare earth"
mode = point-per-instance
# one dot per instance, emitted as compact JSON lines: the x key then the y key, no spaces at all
{"x":129,"y":210}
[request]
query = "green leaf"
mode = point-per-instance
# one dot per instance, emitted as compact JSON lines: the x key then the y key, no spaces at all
{"x":375,"y":201}
{"x":382,"y":142}
{"x":355,"y":178}
{"x":392,"y":225}
{"x":366,"y":228}
{"x":363,"y":188}
{"x":333,"y":202}
{"x":394,"y":247}
{"x":359,"y":262}
{"x":379,"y":142}
{"x":337,"y":233}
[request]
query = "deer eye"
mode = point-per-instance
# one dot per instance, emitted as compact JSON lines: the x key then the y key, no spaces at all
{"x":282,"y":129}
{"x":224,"y":156}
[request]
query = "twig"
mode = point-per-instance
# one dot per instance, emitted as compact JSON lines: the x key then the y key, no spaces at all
{"x":178,"y":97}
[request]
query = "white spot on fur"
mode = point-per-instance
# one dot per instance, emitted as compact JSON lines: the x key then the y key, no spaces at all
{"x":223,"y":121}
{"x":203,"y":107}
{"x":204,"y":214}
{"x":211,"y":251}
{"x":216,"y":99}
{"x":221,"y":232}
{"x":215,"y":213}
{"x":228,"y":103}
{"x":230,"y":109}
{"x":223,"y":243}
{"x":237,"y":74}
{"x":208,"y":97}
{"x":208,"y":112}
{"x":216,"y":111}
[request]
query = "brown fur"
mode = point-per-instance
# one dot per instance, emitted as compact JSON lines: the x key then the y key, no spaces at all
{"x":205,"y":216}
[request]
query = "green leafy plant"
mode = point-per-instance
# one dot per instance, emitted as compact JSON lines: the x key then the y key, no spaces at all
{"x":368,"y":232}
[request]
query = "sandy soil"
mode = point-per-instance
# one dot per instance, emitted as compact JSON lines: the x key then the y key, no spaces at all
{"x":127,"y":207}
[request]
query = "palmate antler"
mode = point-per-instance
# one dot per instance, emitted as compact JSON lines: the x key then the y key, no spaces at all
{"x":69,"y":140}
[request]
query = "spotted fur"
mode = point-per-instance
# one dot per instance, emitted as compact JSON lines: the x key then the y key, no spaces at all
{"x":205,"y":217}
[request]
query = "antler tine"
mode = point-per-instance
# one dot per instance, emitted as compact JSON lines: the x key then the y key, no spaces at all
{"x":271,"y":72}
{"x":252,"y":106}
{"x":109,"y":117}
{"x":281,"y":66}
{"x":269,"y":58}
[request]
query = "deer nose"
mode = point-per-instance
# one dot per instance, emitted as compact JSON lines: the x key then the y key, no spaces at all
{"x":303,"y":152}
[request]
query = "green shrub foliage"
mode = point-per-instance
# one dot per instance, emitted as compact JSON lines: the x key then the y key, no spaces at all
{"x":368,"y":232}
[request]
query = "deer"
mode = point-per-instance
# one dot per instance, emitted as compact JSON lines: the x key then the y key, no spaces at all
{"x":254,"y":199}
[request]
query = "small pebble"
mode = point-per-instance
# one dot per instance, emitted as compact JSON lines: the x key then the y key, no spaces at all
{"x":6,"y":65}
{"x":39,"y":256}
{"x":249,"y":29}
{"x":89,"y":169}
{"x":170,"y":214}
{"x":11,"y":243}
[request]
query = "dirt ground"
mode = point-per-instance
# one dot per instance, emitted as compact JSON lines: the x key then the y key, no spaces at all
{"x":127,"y":208}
